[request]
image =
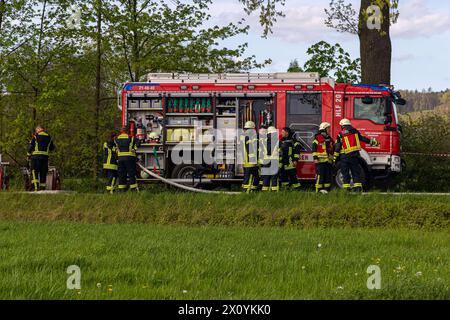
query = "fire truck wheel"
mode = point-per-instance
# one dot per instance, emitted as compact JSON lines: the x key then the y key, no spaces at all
{"x":338,"y":179}
{"x":184,"y":171}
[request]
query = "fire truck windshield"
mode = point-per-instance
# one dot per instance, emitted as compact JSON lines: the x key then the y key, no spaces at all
{"x":373,"y":109}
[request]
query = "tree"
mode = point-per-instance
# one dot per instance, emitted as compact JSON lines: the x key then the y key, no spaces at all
{"x":151,"y":36}
{"x":294,"y":66}
{"x":372,"y":25}
{"x":66,"y":78}
{"x":445,"y":99}
{"x":268,"y":12}
{"x":330,"y":60}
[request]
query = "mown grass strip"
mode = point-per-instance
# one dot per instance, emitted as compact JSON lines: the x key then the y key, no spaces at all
{"x":292,"y":209}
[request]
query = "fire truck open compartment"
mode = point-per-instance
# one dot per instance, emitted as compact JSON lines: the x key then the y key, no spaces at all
{"x":181,"y":108}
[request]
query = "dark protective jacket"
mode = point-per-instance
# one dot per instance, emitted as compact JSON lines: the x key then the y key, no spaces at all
{"x":110,"y":156}
{"x":288,"y":153}
{"x":126,"y":147}
{"x":348,"y":143}
{"x":40,"y":146}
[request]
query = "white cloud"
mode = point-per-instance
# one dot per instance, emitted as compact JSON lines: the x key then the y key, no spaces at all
{"x":417,"y":20}
{"x":404,"y":57}
{"x":302,"y":22}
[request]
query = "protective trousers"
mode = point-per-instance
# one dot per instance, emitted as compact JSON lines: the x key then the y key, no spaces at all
{"x":127,"y":174}
{"x":251,"y":179}
{"x":324,"y":176}
{"x":351,"y":169}
{"x":39,"y":171}
{"x":111,"y":175}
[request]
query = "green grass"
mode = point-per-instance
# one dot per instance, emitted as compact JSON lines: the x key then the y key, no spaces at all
{"x":291,"y":209}
{"x":166,"y":245}
{"x":176,"y":262}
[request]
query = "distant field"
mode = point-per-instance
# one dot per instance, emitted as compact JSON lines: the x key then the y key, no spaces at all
{"x":291,"y":209}
{"x":172,"y":262}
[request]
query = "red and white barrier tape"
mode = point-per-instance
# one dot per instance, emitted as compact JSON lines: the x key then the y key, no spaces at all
{"x":426,"y":154}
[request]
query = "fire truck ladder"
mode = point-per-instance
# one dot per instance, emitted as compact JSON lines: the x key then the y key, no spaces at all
{"x":279,"y":77}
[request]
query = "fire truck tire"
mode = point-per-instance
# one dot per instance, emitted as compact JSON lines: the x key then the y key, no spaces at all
{"x":184,"y":171}
{"x":338,"y":180}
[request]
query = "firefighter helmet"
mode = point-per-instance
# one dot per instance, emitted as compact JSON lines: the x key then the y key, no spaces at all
{"x":345,"y":122}
{"x":154,"y":136}
{"x":249,"y":125}
{"x":272,"y":130}
{"x":324,"y":126}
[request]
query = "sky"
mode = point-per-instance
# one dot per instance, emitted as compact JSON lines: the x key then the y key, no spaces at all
{"x":420,"y":39}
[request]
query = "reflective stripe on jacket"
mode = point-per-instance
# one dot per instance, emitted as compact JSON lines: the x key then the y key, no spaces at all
{"x":250,"y":150}
{"x":41,"y":145}
{"x":109,"y":156}
{"x":348,"y":141}
{"x":322,"y":148}
{"x":126,"y":146}
{"x":287,"y":154}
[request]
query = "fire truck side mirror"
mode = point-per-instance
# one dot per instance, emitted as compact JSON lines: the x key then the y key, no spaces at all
{"x":400,"y":102}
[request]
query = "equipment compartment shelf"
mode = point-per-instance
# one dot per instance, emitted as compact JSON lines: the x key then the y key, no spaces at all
{"x":136,"y":109}
{"x":189,"y":114}
{"x":226,"y":115}
{"x":151,"y":145}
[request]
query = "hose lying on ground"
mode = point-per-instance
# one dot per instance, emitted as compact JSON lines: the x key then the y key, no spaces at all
{"x":180,"y":186}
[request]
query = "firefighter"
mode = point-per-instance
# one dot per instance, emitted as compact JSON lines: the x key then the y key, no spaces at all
{"x":262,"y":141}
{"x":323,"y":149}
{"x":289,"y":158}
{"x":40,"y":146}
{"x":126,"y":151}
{"x":110,"y":165}
{"x":348,"y":146}
{"x":270,"y":161}
{"x":249,"y":143}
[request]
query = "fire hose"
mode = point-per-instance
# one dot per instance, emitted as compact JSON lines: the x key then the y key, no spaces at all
{"x":183,"y":187}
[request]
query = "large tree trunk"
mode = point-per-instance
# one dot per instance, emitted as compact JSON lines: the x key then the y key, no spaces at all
{"x":375,"y":47}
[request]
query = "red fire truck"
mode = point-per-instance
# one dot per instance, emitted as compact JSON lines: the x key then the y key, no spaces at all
{"x":173,"y":109}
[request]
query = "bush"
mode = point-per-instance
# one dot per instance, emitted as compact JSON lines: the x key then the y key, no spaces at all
{"x":426,"y":133}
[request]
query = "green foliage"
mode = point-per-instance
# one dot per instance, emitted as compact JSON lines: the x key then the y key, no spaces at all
{"x":427,"y":134}
{"x":48,"y":72}
{"x":330,"y":61}
{"x":268,"y":12}
{"x":294,"y":66}
{"x":445,"y":98}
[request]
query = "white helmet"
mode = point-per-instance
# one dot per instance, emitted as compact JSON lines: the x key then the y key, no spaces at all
{"x":324,"y":126}
{"x":272,"y":130}
{"x":249,"y":125}
{"x":345,"y":122}
{"x":154,"y":136}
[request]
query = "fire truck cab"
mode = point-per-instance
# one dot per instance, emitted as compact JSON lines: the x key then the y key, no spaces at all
{"x":170,"y":110}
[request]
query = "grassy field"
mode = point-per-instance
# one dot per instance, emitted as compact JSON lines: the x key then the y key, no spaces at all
{"x":296,"y":209}
{"x":175,"y":262}
{"x":165,"y":245}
